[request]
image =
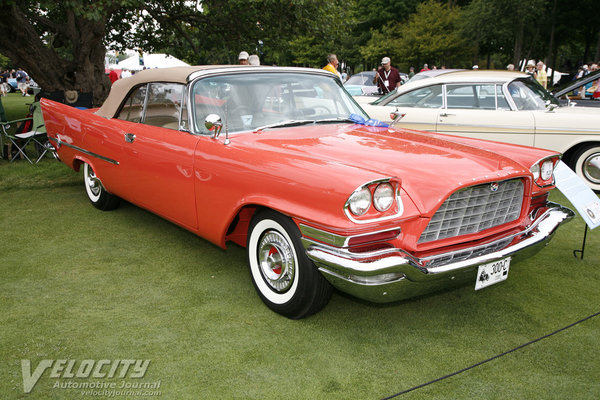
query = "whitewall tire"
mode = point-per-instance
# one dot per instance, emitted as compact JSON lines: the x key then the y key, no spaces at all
{"x":284,"y":277}
{"x":98,"y":196}
{"x":586,"y":164}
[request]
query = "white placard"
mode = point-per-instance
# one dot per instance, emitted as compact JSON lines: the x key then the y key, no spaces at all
{"x":579,"y":194}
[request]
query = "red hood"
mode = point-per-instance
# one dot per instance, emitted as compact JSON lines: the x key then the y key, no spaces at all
{"x":430,"y":168}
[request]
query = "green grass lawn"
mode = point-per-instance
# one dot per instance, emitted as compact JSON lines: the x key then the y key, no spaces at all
{"x":81,"y":284}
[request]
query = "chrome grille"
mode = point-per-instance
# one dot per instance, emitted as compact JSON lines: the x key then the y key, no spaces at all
{"x":475,"y":209}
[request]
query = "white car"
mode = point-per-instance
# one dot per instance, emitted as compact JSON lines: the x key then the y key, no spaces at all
{"x":505,"y":106}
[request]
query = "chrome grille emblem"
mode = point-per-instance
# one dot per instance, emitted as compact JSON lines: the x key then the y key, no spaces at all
{"x":494,"y":187}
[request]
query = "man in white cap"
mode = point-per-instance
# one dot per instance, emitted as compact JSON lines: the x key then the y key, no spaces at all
{"x":243,"y":58}
{"x":387,"y":78}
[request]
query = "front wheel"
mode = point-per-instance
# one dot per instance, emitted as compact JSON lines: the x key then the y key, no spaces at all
{"x":99,"y":197}
{"x":586,"y":163}
{"x":283,"y":275}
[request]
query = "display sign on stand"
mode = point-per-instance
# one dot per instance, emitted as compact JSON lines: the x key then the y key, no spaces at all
{"x":581,"y":196}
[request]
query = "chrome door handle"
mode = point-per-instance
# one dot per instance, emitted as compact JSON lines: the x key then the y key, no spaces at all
{"x":445,"y":114}
{"x":129,"y":137}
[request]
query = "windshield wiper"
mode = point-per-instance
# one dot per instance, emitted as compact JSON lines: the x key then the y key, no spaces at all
{"x":335,"y":120}
{"x":291,"y":122}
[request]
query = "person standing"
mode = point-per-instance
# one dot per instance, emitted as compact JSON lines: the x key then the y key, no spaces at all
{"x":22,"y":81}
{"x":243,"y":58}
{"x":253,"y":60}
{"x":411,"y":72}
{"x":332,"y":65}
{"x":4,"y":82}
{"x":387,"y":78}
{"x":113,"y":76}
{"x":541,"y":75}
{"x":530,"y":68}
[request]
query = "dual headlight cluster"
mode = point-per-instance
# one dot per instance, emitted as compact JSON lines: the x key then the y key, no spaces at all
{"x":378,"y":195}
{"x":543,"y":171}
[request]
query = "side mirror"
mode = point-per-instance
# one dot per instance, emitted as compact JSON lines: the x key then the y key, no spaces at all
{"x":550,"y":106}
{"x":396,"y":115}
{"x":213,"y":123}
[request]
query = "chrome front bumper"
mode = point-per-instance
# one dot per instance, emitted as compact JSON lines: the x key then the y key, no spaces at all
{"x":391,"y":274}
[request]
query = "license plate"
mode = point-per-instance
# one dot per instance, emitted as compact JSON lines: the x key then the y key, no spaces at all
{"x":491,"y":273}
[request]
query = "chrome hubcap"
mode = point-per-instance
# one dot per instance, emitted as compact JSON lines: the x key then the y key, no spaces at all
{"x":591,"y":168}
{"x":92,"y":182}
{"x":276,"y":260}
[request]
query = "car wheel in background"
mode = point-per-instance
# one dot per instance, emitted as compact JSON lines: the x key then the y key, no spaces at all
{"x":586,"y":163}
{"x":286,"y":279}
{"x":98,"y":196}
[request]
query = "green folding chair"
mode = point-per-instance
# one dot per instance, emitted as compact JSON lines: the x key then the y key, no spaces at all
{"x":37,"y":135}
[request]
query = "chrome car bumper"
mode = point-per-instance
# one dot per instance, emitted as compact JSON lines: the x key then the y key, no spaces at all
{"x":391,"y":274}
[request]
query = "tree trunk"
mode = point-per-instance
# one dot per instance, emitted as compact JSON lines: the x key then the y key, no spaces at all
{"x":597,"y":57}
{"x":46,"y":64}
{"x":552,"y":30}
{"x":518,"y":44}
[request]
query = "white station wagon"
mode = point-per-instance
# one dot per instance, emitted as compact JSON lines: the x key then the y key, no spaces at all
{"x":504,"y":106}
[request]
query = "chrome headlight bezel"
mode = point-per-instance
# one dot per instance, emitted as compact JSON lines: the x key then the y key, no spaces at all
{"x":543,"y":170}
{"x":373,"y":213}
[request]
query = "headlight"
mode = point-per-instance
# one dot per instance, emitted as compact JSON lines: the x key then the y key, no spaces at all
{"x":360,"y":201}
{"x":543,"y":171}
{"x":383,"y":197}
{"x":547,"y":169}
{"x":535,"y":170}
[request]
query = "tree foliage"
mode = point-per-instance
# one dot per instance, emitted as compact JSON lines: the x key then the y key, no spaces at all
{"x":62,"y":45}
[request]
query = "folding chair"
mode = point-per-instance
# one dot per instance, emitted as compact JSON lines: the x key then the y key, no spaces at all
{"x":37,"y":135}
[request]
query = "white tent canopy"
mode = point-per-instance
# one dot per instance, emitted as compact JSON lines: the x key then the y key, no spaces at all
{"x":150,"y":61}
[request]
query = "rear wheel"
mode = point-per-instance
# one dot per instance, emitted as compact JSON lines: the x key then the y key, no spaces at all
{"x":99,"y":197}
{"x":285,"y":278}
{"x":586,"y":163}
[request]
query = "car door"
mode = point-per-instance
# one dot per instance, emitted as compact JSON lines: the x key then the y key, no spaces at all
{"x":420,"y":108}
{"x":158,"y":158}
{"x":481,"y":110}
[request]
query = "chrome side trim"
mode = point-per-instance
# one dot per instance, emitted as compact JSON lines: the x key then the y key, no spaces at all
{"x":332,"y":238}
{"x":89,"y":153}
{"x":565,"y":130}
{"x":488,"y":129}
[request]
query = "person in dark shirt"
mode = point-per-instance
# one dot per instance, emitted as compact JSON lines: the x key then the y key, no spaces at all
{"x":387,"y":77}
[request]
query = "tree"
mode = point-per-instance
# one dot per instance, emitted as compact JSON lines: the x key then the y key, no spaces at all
{"x":59,"y":44}
{"x":62,"y":45}
{"x":431,"y":35}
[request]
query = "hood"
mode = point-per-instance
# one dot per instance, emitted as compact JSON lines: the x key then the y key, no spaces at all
{"x":430,"y":168}
{"x":576,"y":84}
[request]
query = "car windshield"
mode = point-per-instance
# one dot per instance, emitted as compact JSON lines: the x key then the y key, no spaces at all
{"x":383,"y":99}
{"x":530,"y":95}
{"x":362,"y":79}
{"x":256,"y":101}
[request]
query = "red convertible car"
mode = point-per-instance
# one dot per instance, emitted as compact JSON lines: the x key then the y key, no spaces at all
{"x":283,"y":162}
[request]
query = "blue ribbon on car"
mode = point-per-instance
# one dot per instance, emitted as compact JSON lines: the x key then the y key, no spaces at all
{"x":368,"y":122}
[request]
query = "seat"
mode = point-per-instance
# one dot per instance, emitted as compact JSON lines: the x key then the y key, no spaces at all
{"x":36,"y":134}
